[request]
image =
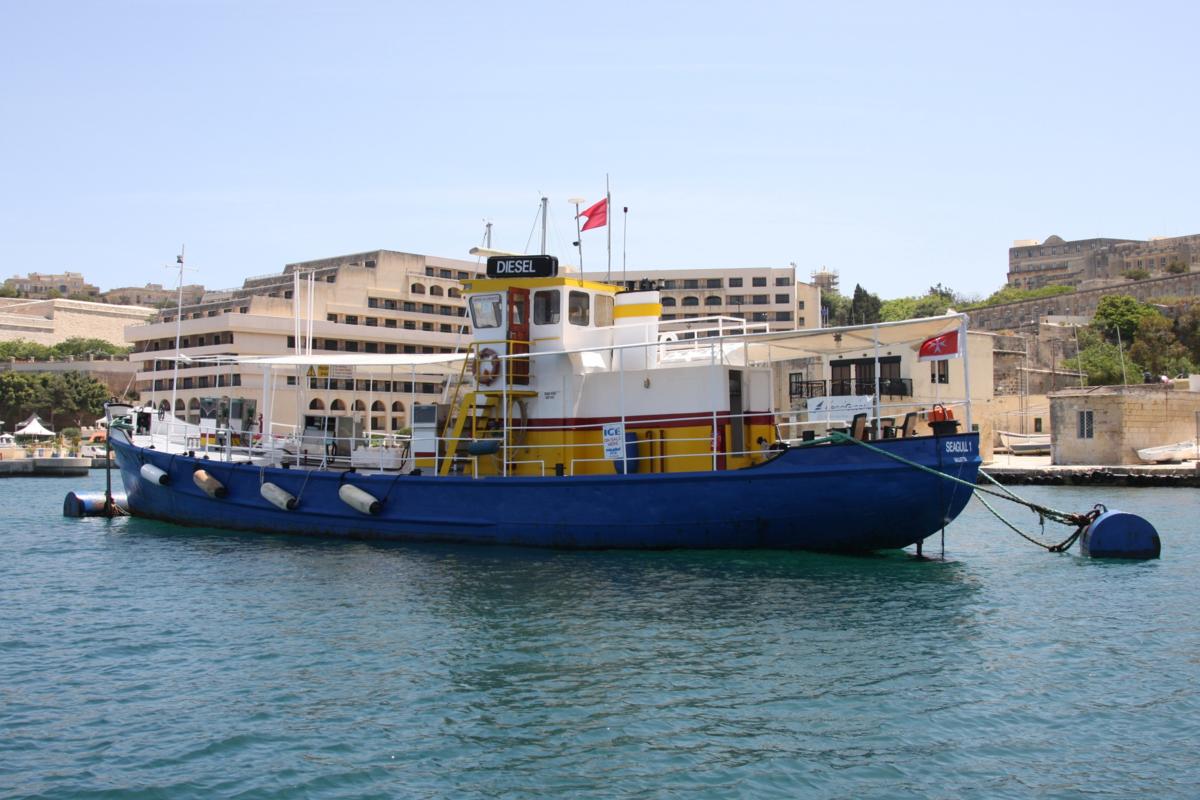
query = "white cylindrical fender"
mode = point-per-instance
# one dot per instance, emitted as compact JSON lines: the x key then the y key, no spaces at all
{"x":155,"y":475}
{"x":357,"y":499}
{"x":277,"y":497}
{"x":209,"y":485}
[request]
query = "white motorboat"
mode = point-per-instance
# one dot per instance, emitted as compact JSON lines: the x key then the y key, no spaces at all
{"x":1026,"y":444}
{"x":1179,"y":451}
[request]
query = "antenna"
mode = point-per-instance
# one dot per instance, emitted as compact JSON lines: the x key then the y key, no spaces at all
{"x":180,"y":266}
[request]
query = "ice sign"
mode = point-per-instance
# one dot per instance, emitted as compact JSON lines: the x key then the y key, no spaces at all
{"x":614,"y":441}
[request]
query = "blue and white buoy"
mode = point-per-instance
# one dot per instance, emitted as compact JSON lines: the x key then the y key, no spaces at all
{"x":1119,"y":534}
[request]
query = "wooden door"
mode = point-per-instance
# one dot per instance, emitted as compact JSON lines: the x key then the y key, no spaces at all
{"x":518,"y":334}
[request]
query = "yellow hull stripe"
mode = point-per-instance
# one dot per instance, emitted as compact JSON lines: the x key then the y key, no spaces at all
{"x":638,"y":310}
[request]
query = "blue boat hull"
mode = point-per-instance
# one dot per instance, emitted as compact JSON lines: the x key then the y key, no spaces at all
{"x":829,"y":497}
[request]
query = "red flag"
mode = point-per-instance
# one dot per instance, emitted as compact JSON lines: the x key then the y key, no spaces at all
{"x":939,"y":348}
{"x":596,"y":216}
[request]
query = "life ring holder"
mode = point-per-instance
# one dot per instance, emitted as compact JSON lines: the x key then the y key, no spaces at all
{"x":487,"y":366}
{"x":939,"y":413}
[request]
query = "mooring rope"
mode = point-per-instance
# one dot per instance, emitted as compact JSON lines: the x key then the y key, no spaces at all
{"x":1078,"y":521}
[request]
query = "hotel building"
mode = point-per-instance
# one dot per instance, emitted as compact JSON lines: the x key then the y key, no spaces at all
{"x":375,"y":302}
{"x":761,"y":295}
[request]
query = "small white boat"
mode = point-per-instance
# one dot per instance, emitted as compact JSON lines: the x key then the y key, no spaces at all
{"x":1180,"y":451}
{"x":1026,"y":444}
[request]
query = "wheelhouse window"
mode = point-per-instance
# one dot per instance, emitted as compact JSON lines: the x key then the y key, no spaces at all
{"x":486,"y":311}
{"x":546,"y":304}
{"x":604,"y":310}
{"x":579,"y":308}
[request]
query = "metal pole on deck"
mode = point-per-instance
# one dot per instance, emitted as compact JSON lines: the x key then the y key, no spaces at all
{"x":875,"y":336}
{"x":962,"y":334}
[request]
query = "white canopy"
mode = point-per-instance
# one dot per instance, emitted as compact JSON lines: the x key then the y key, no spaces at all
{"x":33,"y":427}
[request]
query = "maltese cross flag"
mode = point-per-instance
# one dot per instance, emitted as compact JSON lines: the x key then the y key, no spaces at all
{"x":939,"y":348}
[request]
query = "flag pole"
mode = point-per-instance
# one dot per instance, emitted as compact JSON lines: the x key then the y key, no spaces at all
{"x":578,"y":233}
{"x":607,"y":209}
{"x":624,"y":240}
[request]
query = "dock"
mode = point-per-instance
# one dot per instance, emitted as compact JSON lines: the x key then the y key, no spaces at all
{"x":1037,"y":470}
{"x":48,"y":466}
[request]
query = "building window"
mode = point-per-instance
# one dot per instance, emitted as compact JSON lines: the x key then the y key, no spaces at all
{"x":939,"y":371}
{"x":371,"y":347}
{"x":712,"y":283}
{"x":782,"y":280}
{"x":782,"y":298}
{"x":1086,"y":430}
{"x":1037,"y":424}
{"x":351,"y":319}
{"x":800,"y":305}
{"x":712,"y":300}
{"x":691,"y":283}
{"x":691,"y":301}
{"x":372,"y":322}
{"x":735,"y":283}
{"x":372,"y":302}
{"x":389,"y":323}
{"x":736,"y":299}
{"x":783,"y":316}
{"x":668,"y":284}
{"x":331,"y":317}
{"x":759,"y":281}
{"x":760,"y":299}
{"x":427,"y":326}
{"x":291,"y":342}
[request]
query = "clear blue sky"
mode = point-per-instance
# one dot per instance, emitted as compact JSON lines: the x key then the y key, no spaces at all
{"x":900,"y":145}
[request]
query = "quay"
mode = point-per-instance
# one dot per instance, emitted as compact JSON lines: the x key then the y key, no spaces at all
{"x":48,"y":466}
{"x":1037,"y":470}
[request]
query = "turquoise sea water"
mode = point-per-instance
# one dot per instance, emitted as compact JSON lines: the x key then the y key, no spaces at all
{"x":142,"y":660}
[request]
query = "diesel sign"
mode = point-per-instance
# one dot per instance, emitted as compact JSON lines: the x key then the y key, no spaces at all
{"x":522,"y":267}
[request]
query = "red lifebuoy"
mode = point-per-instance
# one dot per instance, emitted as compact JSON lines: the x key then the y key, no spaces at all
{"x":487,"y":366}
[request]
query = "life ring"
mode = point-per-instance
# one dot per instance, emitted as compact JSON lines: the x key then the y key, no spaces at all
{"x":939,"y":413}
{"x":487,"y":366}
{"x":519,"y":431}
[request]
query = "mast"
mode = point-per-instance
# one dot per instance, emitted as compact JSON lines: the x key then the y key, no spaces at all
{"x":178,"y":326}
{"x":575,"y":201}
{"x":608,"y":226}
{"x":545,"y":204}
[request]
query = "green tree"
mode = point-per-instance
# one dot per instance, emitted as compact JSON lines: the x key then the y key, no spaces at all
{"x":23,"y":350}
{"x":82,"y":348}
{"x":1187,"y":330}
{"x":18,"y":397}
{"x":836,"y":308}
{"x":1014,"y":294}
{"x":864,"y":307}
{"x":1136,"y":274}
{"x":1101,"y":361}
{"x":8,"y":291}
{"x":1177,"y":267}
{"x":1157,"y":348}
{"x":1120,"y":312}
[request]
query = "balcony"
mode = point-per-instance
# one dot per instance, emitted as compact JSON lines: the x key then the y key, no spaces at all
{"x":888,"y":387}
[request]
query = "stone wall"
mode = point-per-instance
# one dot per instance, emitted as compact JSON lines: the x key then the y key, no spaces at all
{"x":1125,"y":419}
{"x":1013,"y":316}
